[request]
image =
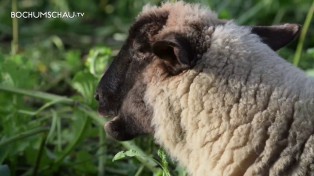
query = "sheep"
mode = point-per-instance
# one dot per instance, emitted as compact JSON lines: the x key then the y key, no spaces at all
{"x":214,"y":94}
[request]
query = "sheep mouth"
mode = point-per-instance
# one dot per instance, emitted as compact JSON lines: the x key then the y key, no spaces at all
{"x":110,"y":127}
{"x":117,"y":126}
{"x":111,"y":120}
{"x":108,"y":114}
{"x":118,"y":129}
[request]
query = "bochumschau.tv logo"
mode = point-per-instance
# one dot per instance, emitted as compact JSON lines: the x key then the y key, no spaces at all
{"x":47,"y":14}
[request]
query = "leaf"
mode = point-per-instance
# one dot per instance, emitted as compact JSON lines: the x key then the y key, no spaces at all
{"x":126,"y":154}
{"x":85,"y":83}
{"x":4,"y":170}
{"x":164,"y":163}
{"x":14,"y":72}
{"x":310,"y":51}
{"x":98,"y":59}
{"x":73,"y":60}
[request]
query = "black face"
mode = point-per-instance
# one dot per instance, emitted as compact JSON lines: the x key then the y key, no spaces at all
{"x":120,"y":95}
{"x":120,"y":91}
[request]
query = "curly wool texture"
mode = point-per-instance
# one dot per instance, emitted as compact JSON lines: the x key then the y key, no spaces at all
{"x":242,"y":110}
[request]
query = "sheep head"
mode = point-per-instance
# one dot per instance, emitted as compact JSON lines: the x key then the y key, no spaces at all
{"x":162,"y":42}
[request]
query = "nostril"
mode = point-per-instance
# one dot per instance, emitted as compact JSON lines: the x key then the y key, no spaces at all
{"x":97,"y":96}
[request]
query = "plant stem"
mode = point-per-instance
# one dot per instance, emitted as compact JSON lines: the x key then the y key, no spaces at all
{"x":24,"y":135}
{"x":15,"y":30}
{"x":101,"y":152}
{"x":59,"y":133}
{"x":298,"y":53}
{"x":74,"y":143}
{"x":146,"y":161}
{"x":40,"y":153}
{"x":139,"y":171}
{"x":37,"y":94}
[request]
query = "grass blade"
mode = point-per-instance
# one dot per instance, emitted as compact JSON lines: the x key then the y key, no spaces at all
{"x":40,"y":153}
{"x":308,"y":19}
{"x":23,"y":135}
{"x":101,"y":152}
{"x":37,"y":94}
{"x":15,"y":30}
{"x":77,"y":139}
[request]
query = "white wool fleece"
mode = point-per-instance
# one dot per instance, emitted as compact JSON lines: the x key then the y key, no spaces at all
{"x":242,"y":110}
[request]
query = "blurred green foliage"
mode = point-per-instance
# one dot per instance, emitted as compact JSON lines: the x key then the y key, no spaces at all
{"x":48,"y":119}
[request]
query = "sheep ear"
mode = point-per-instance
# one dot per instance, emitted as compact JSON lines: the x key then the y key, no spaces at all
{"x":175,"y":51}
{"x":279,"y":36}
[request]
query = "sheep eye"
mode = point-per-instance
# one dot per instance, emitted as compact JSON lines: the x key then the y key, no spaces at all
{"x":141,"y":46}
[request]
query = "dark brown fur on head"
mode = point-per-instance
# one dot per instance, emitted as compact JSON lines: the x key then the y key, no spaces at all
{"x":121,"y":89}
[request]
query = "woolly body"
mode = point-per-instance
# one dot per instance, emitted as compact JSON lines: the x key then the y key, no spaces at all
{"x":242,"y":110}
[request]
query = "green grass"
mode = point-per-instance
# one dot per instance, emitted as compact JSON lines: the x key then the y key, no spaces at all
{"x":305,"y":29}
{"x":49,"y":70}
